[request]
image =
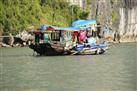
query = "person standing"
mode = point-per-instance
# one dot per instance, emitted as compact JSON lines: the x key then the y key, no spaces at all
{"x":82,"y":36}
{"x":94,"y":30}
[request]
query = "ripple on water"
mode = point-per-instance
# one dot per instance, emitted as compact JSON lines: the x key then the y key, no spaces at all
{"x":112,"y":71}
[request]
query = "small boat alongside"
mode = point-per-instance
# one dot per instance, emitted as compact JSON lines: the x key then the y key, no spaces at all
{"x":91,"y":49}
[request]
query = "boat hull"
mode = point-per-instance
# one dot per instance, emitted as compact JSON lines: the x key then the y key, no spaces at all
{"x":46,"y":49}
{"x":51,"y":49}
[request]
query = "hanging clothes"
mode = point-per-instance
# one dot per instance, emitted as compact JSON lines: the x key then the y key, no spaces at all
{"x":74,"y":36}
{"x":46,"y":38}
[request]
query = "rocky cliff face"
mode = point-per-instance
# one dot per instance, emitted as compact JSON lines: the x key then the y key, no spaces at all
{"x":128,"y":21}
{"x":120,"y":15}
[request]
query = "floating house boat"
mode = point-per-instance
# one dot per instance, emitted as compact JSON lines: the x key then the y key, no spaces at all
{"x":52,"y":40}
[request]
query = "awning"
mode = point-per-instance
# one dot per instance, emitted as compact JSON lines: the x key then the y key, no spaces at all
{"x":81,"y":23}
{"x":62,"y":28}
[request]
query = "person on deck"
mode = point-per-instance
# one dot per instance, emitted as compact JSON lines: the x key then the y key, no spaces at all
{"x":37,"y":37}
{"x":82,"y":36}
{"x":41,"y":37}
{"x":99,"y":30}
{"x":94,"y":30}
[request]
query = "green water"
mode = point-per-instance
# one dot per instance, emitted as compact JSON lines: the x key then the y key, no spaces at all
{"x":113,"y":71}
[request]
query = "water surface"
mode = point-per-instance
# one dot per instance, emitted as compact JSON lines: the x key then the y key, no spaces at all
{"x":113,"y":71}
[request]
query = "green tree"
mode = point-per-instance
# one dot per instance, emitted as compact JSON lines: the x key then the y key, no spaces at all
{"x":17,"y":15}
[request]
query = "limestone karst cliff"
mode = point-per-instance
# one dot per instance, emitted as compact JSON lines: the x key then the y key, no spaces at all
{"x":120,"y":15}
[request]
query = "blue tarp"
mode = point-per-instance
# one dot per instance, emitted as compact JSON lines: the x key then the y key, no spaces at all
{"x":80,"y":23}
{"x":75,"y":26}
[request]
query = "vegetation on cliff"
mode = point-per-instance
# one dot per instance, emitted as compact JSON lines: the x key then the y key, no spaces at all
{"x":17,"y":15}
